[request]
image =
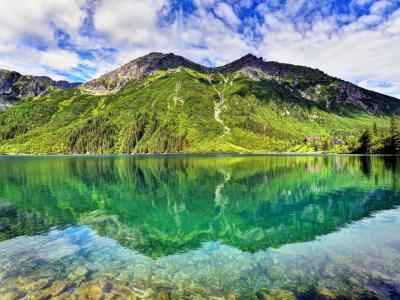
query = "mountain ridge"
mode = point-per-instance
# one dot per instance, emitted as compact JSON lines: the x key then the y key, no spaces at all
{"x":251,"y":65}
{"x":161,"y":61}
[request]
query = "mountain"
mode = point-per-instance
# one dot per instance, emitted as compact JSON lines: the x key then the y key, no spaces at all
{"x":164,"y":103}
{"x":14,"y":86}
{"x":135,"y":69}
{"x":299,"y":77}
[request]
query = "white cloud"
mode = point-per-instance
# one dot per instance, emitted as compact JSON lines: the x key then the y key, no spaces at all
{"x":205,"y":4}
{"x":59,"y":59}
{"x":226,"y":13}
{"x":26,"y":26}
{"x":129,"y":21}
{"x":294,"y":6}
{"x":30,"y":64}
{"x":389,"y":89}
{"x":37,"y":18}
{"x":380,"y":7}
{"x":361,"y":2}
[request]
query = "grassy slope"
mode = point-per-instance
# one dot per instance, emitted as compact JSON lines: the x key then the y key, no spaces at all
{"x":174,"y":112}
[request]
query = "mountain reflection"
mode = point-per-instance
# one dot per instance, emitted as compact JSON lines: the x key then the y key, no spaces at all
{"x":163,"y":205}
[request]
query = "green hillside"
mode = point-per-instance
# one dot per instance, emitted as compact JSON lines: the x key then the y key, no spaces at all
{"x":183,"y":108}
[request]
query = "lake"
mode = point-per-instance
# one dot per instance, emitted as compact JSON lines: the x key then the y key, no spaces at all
{"x":200,"y":227}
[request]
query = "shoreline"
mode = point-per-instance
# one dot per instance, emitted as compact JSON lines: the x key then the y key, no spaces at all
{"x":192,"y":154}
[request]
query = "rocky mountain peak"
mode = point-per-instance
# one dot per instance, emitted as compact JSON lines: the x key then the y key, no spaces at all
{"x":14,"y":85}
{"x":135,"y":69}
{"x":249,"y":60}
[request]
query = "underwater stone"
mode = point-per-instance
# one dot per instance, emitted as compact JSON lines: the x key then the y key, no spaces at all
{"x":13,"y":295}
{"x":57,"y":288}
{"x":109,"y":296}
{"x":159,"y":282}
{"x":326,"y":293}
{"x":198,"y":297}
{"x":37,"y":284}
{"x":230,"y":296}
{"x":81,"y":271}
{"x":278,"y":294}
{"x":125,"y":291}
{"x":162,"y":295}
{"x":90,"y":290}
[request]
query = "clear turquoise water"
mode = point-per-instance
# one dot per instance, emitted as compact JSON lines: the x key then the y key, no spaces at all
{"x":192,"y":227}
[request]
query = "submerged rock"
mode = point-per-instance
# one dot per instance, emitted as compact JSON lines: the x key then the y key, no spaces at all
{"x":78,"y":274}
{"x":57,"y":288}
{"x":36,"y":284}
{"x":278,"y":294}
{"x":326,"y":293}
{"x":230,"y":296}
{"x":162,"y":295}
{"x":89,"y":290}
{"x":13,"y":295}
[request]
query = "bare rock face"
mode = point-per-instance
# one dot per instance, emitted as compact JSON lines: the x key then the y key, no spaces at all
{"x":13,"y":86}
{"x":358,"y":97}
{"x":352,"y":91}
{"x":135,"y":69}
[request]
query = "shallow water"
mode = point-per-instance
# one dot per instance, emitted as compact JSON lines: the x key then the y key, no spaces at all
{"x":196,"y":227}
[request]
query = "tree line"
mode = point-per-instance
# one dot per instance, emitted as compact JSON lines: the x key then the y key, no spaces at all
{"x":380,"y":141}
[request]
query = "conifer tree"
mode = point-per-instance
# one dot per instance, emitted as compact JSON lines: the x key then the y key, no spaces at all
{"x":365,"y":142}
{"x":375,"y":129}
{"x":395,"y":134}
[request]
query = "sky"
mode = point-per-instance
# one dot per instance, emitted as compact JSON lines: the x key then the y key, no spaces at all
{"x":77,"y":40}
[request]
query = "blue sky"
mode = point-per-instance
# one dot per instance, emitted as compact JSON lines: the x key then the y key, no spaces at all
{"x":357,"y":40}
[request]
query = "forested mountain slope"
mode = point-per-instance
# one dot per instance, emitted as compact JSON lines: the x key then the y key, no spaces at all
{"x":163,"y":103}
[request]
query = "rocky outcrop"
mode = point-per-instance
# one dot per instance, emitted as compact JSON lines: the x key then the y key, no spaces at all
{"x":355,"y":96}
{"x":14,"y":86}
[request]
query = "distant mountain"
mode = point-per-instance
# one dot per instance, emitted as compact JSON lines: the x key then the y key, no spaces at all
{"x":14,"y":86}
{"x":163,"y":103}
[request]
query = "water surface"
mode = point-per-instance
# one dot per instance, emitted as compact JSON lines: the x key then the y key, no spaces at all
{"x":184,"y":227}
